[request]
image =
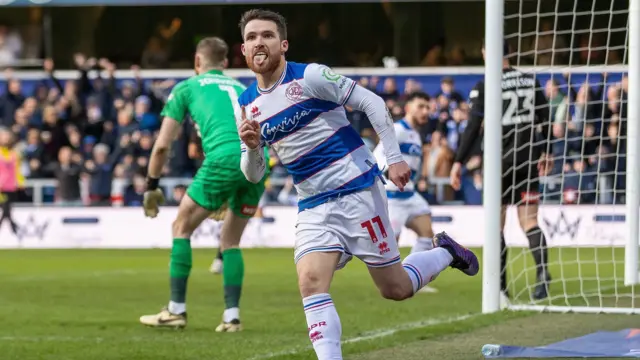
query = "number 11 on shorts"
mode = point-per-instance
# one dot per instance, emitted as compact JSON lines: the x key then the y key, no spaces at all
{"x":372,"y":233}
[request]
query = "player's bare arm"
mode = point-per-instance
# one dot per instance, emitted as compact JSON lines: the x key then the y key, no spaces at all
{"x":471,"y":132}
{"x":160,"y":153}
{"x":153,"y":197}
{"x":371,"y":104}
{"x":252,"y":163}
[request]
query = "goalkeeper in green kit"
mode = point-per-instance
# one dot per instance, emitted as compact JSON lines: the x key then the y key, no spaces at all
{"x":210,"y":98}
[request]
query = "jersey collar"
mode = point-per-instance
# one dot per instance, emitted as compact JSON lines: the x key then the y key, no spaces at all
{"x":214,"y":72}
{"x":284,"y":73}
{"x":405,"y":124}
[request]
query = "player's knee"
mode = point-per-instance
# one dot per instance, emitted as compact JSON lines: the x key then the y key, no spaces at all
{"x":396,"y":292}
{"x":311,"y":282}
{"x":181,"y":227}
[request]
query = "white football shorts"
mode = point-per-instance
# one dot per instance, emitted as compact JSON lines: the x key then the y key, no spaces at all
{"x":401,"y":211}
{"x":355,"y":225}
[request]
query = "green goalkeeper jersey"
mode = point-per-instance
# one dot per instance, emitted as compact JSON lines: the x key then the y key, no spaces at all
{"x":212,"y":101}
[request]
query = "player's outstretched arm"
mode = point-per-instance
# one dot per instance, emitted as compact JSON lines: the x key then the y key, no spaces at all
{"x":323,"y":83}
{"x":371,"y":104}
{"x":252,"y":161}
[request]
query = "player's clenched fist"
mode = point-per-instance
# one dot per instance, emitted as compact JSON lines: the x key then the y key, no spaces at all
{"x":151,"y":201}
{"x":249,"y":131}
{"x":399,"y":174}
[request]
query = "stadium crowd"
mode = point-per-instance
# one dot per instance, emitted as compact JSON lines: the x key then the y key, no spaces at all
{"x":98,"y":130}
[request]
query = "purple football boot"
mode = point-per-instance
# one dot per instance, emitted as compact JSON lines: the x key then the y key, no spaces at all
{"x":463,"y":259}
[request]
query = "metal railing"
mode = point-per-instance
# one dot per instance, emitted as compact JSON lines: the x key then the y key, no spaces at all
{"x":37,"y":186}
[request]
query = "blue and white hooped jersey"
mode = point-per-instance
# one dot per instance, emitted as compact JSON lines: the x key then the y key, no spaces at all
{"x":411,"y":149}
{"x":303,"y":119}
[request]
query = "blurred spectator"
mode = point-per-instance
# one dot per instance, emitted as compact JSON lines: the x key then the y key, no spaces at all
{"x":11,"y":100}
{"x":134,"y":193}
{"x":176,"y":196}
{"x":447,"y":89}
{"x":10,"y":45}
{"x":556,"y":99}
{"x":456,"y":56}
{"x":437,"y":162}
{"x":434,"y":57}
{"x":389,"y":89}
{"x":101,"y":168}
{"x":549,"y":48}
{"x":324,"y":45}
{"x":155,"y":55}
{"x":145,"y":118}
{"x":67,"y":171}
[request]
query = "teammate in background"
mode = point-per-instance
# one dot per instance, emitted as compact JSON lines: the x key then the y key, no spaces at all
{"x":210,"y":98}
{"x":524,"y":159}
{"x":298,"y":110}
{"x":408,"y":208}
{"x":11,"y":178}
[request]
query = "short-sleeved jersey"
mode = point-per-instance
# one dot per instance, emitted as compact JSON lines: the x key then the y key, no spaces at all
{"x":303,"y":119}
{"x":411,"y":149}
{"x":524,"y":109}
{"x":212,"y":101}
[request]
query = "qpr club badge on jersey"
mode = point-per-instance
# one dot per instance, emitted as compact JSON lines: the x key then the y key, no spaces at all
{"x":294,"y":91}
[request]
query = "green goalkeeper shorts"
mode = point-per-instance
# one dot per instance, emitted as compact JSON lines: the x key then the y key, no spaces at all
{"x":221,"y":181}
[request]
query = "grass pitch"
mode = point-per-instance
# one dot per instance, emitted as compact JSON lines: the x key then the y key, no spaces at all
{"x":85,"y":304}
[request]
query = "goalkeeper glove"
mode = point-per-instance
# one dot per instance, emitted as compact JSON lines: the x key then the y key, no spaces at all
{"x":153,"y":198}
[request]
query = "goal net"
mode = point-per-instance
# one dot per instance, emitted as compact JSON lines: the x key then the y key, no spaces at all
{"x":578,"y":51}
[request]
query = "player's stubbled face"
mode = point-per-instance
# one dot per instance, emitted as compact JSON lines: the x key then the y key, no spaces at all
{"x":262,"y":46}
{"x":420,"y":110}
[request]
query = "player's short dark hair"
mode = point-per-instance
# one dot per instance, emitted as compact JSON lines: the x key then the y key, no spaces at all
{"x":213,"y":49}
{"x":416,"y":95}
{"x":266,"y":15}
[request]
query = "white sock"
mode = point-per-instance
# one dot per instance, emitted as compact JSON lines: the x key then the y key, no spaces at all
{"x":230,"y":314}
{"x":323,"y":324}
{"x":424,"y":266}
{"x":177,"y":308}
{"x":422,"y":244}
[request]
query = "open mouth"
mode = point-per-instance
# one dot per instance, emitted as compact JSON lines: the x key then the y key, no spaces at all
{"x":260,"y":57}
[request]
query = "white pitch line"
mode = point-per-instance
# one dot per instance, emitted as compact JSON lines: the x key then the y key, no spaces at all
{"x":376,"y":334}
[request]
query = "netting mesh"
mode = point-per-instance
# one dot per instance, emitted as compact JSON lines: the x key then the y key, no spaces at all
{"x":577,"y":49}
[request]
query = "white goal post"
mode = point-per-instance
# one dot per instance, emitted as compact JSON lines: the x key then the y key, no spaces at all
{"x":588,"y":143}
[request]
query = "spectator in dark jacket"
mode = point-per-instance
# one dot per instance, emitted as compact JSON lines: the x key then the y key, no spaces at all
{"x":134,"y":193}
{"x":101,"y":171}
{"x":67,"y":172}
{"x":10,"y":101}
